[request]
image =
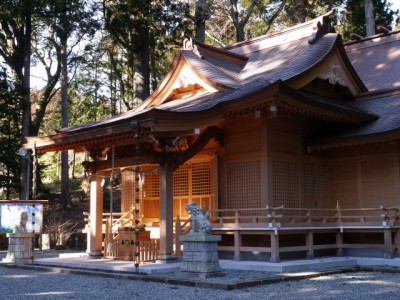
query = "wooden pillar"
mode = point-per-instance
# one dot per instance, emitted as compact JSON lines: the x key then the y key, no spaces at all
{"x":274,"y":247}
{"x":396,"y":242}
{"x":237,"y":245}
{"x":339,"y":243}
{"x":125,"y":192}
{"x":95,"y":241}
{"x":388,"y":243}
{"x":166,"y":213}
{"x":310,"y":245}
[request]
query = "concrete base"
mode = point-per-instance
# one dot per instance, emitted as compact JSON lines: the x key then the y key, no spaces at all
{"x":96,"y":254}
{"x":205,"y":275}
{"x":166,"y":259}
{"x":200,"y":256}
{"x":19,"y":247}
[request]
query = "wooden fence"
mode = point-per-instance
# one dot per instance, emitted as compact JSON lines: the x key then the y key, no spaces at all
{"x":279,"y":224}
{"x":272,"y":227}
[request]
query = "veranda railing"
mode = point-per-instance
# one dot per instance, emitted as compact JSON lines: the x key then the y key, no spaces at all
{"x":275,"y":221}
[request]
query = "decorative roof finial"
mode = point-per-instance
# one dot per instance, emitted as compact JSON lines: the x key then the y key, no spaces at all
{"x":190,"y":44}
{"x":322,"y":29}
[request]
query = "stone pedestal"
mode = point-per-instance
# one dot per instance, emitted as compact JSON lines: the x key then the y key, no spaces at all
{"x":19,"y":247}
{"x":200,"y":256}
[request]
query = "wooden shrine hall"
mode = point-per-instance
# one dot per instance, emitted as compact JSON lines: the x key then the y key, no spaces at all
{"x":291,"y":140}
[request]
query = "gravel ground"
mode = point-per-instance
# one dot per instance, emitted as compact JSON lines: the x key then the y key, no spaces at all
{"x":19,"y":283}
{"x":30,"y":284}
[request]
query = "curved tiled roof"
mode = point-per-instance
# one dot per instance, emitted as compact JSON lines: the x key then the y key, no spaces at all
{"x":244,"y":77}
{"x":385,"y":106}
{"x":261,"y":69}
{"x":222,"y":73}
{"x":377,"y":60}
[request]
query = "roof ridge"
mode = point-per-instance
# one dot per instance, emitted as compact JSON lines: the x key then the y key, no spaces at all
{"x":313,"y":24}
{"x":371,"y":37}
{"x":220,"y":69}
{"x":191,"y":44}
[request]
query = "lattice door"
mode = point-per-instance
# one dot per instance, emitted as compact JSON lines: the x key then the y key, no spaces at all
{"x":151,"y":194}
{"x":285,"y":183}
{"x":244,"y":184}
{"x":128,"y":192}
{"x":315,"y":185}
{"x":182,"y":189}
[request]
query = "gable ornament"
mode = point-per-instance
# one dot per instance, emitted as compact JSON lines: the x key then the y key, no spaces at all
{"x":333,"y":75}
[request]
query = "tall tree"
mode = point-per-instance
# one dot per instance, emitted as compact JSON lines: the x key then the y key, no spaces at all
{"x":200,"y":20}
{"x":10,"y":136}
{"x":67,"y":21}
{"x":247,"y":19}
{"x":353,"y":20}
{"x":240,"y":18}
{"x":128,"y":23}
{"x":300,"y":11}
{"x":140,"y":33}
{"x":64,"y":31}
{"x":15,"y":49}
{"x":369,"y":17}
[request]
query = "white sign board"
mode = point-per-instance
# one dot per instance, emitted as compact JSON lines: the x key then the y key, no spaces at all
{"x":10,"y":215}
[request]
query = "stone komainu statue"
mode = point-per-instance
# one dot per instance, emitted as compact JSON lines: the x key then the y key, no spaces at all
{"x":200,"y":221}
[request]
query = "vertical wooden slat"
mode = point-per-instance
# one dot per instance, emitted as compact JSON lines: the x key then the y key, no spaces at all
{"x":274,"y":247}
{"x":310,"y":244}
{"x":238,"y":245}
{"x":388,"y":243}
{"x":339,"y":243}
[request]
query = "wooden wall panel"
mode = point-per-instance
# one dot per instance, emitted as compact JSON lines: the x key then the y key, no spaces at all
{"x":245,"y":135}
{"x":378,"y":181}
{"x":284,"y":142}
{"x":244,"y":142}
{"x":343,"y":184}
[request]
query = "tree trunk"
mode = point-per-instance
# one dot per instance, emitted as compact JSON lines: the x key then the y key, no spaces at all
{"x":26,"y":105}
{"x":200,"y":20}
{"x":142,"y":75}
{"x":142,"y":57}
{"x":240,"y":23}
{"x":369,"y":17}
{"x":65,"y":197}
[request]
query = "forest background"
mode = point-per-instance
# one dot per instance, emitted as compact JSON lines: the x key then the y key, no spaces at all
{"x":92,"y":59}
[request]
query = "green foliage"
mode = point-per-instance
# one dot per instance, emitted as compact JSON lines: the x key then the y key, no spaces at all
{"x":301,"y":11}
{"x":140,"y":36}
{"x":10,"y":135}
{"x":353,"y":18}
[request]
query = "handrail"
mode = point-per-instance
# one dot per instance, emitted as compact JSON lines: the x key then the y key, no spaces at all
{"x":278,"y":216}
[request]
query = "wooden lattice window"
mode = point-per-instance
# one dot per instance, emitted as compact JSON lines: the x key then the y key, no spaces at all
{"x":285,"y":183}
{"x":201,"y":178}
{"x":315,"y":185}
{"x":192,"y":182}
{"x":129,"y":190}
{"x":244,"y":184}
{"x":151,"y":184}
{"x":181,"y":181}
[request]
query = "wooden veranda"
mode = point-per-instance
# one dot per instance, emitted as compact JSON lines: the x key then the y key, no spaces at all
{"x":274,"y":231}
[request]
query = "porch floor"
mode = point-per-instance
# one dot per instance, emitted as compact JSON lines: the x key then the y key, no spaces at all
{"x":83,"y":261}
